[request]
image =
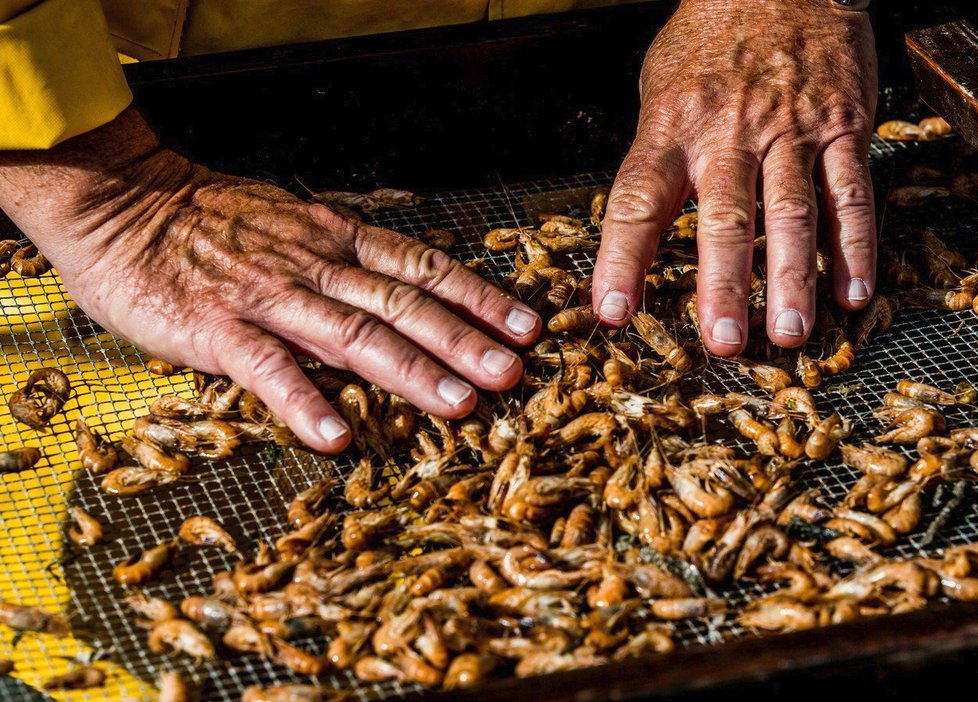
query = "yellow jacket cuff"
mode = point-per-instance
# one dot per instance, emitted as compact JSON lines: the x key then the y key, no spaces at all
{"x":59,"y":73}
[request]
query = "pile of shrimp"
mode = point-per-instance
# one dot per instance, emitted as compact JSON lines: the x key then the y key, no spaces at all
{"x":571,"y":521}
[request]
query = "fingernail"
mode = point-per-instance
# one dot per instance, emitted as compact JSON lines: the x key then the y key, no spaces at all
{"x":331,"y":429}
{"x":521,"y":322}
{"x":497,"y":362}
{"x":857,"y":290}
{"x":453,"y":392}
{"x":727,"y":331}
{"x":789,"y":322}
{"x":614,"y":306}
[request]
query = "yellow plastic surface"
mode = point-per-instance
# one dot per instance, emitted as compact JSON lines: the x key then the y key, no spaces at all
{"x":43,"y":327}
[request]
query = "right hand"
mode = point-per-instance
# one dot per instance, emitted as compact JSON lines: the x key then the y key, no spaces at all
{"x":226,"y":275}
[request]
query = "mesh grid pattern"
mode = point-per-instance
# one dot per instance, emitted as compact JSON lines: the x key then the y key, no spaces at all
{"x":249,"y":494}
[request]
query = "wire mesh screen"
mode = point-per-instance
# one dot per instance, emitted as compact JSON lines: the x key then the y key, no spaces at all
{"x":249,"y":494}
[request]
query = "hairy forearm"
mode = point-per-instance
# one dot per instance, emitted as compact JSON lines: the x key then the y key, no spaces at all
{"x":60,"y":194}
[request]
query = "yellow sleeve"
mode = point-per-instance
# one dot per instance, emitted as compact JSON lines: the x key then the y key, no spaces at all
{"x":59,"y":73}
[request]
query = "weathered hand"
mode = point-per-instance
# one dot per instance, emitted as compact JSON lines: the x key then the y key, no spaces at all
{"x":225,"y":275}
{"x":733,"y":92}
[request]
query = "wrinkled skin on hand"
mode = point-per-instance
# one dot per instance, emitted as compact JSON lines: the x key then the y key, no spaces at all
{"x":230,"y":276}
{"x":737,"y":95}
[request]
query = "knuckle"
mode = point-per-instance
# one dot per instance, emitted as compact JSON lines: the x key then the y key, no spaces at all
{"x":399,"y":300}
{"x":411,"y":367}
{"x":633,"y":203}
{"x":357,"y":331}
{"x":433,"y":267}
{"x":795,"y":209}
{"x":268,"y":362}
{"x":458,"y":340}
{"x":730,"y":222}
{"x":853,"y":198}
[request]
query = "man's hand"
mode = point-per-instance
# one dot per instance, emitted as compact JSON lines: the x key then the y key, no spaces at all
{"x":734,"y":93}
{"x":226,"y":275}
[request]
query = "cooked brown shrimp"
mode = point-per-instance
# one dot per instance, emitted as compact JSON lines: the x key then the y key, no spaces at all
{"x":132,"y":480}
{"x":359,"y":490}
{"x":911,"y":425}
{"x":180,"y":636}
{"x":764,"y":539}
{"x":662,"y":342}
{"x":25,"y":618}
{"x":441,"y":239}
{"x":468,"y":670}
{"x":900,"y":130}
{"x":826,"y":437}
{"x":157,"y":366}
{"x":770,"y":378}
{"x":502,"y":239}
{"x":41,"y":398}
{"x":152,"y":609}
{"x":144,"y":566}
{"x":573,"y":319}
{"x":82,"y":677}
{"x":18,"y":460}
{"x":155,"y":459}
{"x":29,"y":262}
{"x":788,"y":444}
{"x":925,"y":393}
{"x":808,"y":371}
{"x":761,"y":433}
{"x":97,"y":455}
{"x":86,"y":530}
{"x":290,"y":693}
{"x":204,"y":531}
{"x":174,"y":688}
{"x":306,"y":505}
{"x":687,"y":607}
{"x":874,"y":460}
{"x":840,"y":361}
{"x":935,"y":298}
{"x":934,"y":128}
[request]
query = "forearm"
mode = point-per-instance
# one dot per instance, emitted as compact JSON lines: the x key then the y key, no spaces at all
{"x":43,"y":191}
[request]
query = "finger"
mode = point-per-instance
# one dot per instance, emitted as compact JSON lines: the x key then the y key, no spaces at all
{"x":725,"y":240}
{"x":647,"y":195}
{"x":343,"y":336}
{"x":790,"y":217}
{"x":444,"y":278}
{"x":261,"y":363}
{"x":421,"y":319}
{"x":852,"y":220}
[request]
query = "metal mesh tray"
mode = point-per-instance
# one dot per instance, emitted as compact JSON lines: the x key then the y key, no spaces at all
{"x":249,"y":493}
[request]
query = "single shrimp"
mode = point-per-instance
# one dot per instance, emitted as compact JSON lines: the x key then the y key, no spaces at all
{"x":925,"y":393}
{"x":25,"y":618}
{"x":874,"y":460}
{"x":29,"y":262}
{"x":655,"y":335}
{"x":899,"y":130}
{"x":911,"y":425}
{"x":204,"y":531}
{"x":152,"y":609}
{"x":82,"y":677}
{"x":180,"y":636}
{"x":826,"y":437}
{"x":144,"y":566}
{"x":132,"y":480}
{"x":19,"y":460}
{"x":97,"y":455}
{"x":86,"y":530}
{"x":761,"y":433}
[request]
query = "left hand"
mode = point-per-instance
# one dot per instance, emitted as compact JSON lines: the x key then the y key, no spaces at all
{"x":735,"y":92}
